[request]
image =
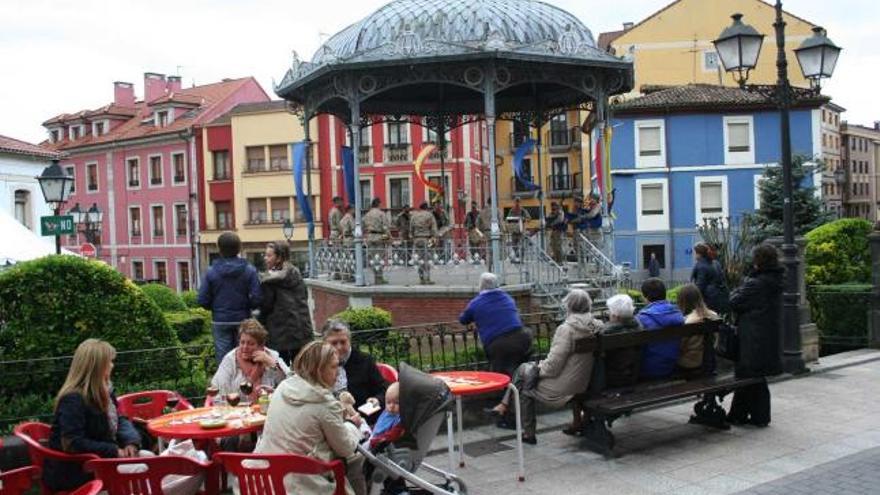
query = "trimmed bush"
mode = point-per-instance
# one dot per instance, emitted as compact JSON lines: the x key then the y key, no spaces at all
{"x":367,"y":318}
{"x":838,"y":253}
{"x":164,"y":297}
{"x":190,"y":324}
{"x":190,"y":298}
{"x":839,"y":313}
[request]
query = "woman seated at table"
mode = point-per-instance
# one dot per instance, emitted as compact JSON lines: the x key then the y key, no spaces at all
{"x":305,"y":418}
{"x":251,"y":362}
{"x":86,"y":419}
{"x":563,"y":373}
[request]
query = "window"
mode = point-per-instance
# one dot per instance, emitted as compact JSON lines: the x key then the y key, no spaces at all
{"x":92,"y":177}
{"x":55,"y":135}
{"x":430,"y":135}
{"x":256,"y":158}
{"x":71,"y":171}
{"x":433,"y":196}
{"x":137,"y":270}
{"x":134,"y":221}
{"x":221,"y":165}
{"x":711,"y":198}
{"x":396,"y":135}
{"x":23,"y":207}
{"x":298,"y":213}
{"x":366,"y":186}
{"x":710,"y":61}
{"x":527,"y":174}
{"x":223,"y":214}
{"x":652,"y":204}
{"x":824,"y":140}
{"x":560,"y":180}
{"x":178,"y":165}
{"x":278,"y":158}
{"x":257,"y":210}
{"x":521,"y":132}
{"x":181,"y":219}
{"x":133,"y":168}
{"x":659,"y":251}
{"x":155,"y":170}
{"x":158,"y":221}
{"x":161,"y":272}
{"x":97,"y":128}
{"x":398,"y":190}
{"x":74,"y":132}
{"x":559,"y":135}
{"x":650,"y":147}
{"x":183,"y":275}
{"x":162,"y":118}
{"x":738,"y":140}
{"x":280,"y":209}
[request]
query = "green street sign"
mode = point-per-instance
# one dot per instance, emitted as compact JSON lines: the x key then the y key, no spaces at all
{"x":56,"y":225}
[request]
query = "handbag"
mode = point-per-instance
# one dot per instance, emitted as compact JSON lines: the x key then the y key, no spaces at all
{"x":727,"y":345}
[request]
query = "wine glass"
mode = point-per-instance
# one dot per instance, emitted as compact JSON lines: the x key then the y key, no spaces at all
{"x":210,"y":393}
{"x":233,"y":398}
{"x":246,"y":388}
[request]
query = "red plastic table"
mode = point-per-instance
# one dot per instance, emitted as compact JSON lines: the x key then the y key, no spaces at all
{"x":169,"y":426}
{"x":468,"y":383}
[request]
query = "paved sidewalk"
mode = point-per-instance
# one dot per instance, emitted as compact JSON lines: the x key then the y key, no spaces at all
{"x":818,"y":418}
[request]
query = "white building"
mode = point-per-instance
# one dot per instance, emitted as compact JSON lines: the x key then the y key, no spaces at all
{"x":20,"y":194}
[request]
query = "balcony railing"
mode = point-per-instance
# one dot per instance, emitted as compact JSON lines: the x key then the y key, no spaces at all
{"x":558,"y":139}
{"x":559,"y":182}
{"x":435,"y":155}
{"x":518,"y":189}
{"x":134,"y":183}
{"x":179,"y":178}
{"x":397,"y":153}
{"x":365,"y":155}
{"x":155,"y":180}
{"x":516,"y":139}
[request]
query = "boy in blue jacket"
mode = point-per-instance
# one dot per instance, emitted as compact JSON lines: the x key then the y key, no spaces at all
{"x":231,"y":289}
{"x":658,"y":358}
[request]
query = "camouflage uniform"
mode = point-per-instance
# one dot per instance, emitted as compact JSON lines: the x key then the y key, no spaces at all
{"x":517,"y":228}
{"x":333,"y":219}
{"x":346,"y":226}
{"x":476,"y":236}
{"x":402,"y":224}
{"x":556,"y":222}
{"x":423,"y":228}
{"x":485,"y":225}
{"x":378,"y":230}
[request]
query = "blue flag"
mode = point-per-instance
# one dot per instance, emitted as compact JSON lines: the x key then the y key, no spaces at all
{"x":298,"y":150}
{"x":521,"y":152}
{"x":348,"y":172}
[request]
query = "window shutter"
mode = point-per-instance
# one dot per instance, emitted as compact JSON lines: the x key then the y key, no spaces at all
{"x":710,"y":197}
{"x":738,"y":136}
{"x":652,"y":199}
{"x":649,"y":141}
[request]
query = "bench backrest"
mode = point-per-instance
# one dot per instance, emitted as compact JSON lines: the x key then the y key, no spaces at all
{"x":601,"y":343}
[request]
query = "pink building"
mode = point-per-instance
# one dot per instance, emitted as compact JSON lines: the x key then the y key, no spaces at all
{"x":137,"y":161}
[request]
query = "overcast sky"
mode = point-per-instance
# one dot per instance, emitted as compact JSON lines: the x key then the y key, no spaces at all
{"x":63,"y":56}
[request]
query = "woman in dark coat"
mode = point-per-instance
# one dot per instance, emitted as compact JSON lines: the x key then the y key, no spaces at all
{"x":758,"y":307}
{"x":709,"y":279}
{"x":285,"y":307}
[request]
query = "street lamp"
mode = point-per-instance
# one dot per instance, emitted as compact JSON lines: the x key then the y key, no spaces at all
{"x":88,"y":222}
{"x":287,"y":229}
{"x":738,"y":48}
{"x":56,"y":186}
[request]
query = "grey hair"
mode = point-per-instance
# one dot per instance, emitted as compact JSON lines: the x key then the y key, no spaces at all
{"x":488,"y":281}
{"x":577,"y":301}
{"x":332,"y":326}
{"x":621,"y":306}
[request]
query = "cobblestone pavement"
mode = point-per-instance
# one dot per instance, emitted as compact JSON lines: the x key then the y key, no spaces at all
{"x":856,"y":474}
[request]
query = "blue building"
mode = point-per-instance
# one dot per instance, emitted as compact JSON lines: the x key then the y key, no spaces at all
{"x":685,"y":153}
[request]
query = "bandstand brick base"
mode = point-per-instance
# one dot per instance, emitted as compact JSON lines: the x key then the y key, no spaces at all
{"x":408,"y":305}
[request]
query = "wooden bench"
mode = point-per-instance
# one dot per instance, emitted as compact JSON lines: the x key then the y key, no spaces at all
{"x":602,"y":406}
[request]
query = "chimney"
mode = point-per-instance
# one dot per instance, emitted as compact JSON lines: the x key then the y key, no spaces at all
{"x":174,"y":84}
{"x":627,"y":26}
{"x":877,"y":125}
{"x":123,"y":94}
{"x":154,"y":86}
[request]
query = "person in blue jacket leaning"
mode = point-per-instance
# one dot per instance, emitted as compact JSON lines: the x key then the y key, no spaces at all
{"x":231,"y":289}
{"x":658,"y":358}
{"x":501,"y":332}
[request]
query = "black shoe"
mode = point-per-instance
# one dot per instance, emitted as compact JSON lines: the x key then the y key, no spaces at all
{"x":505,"y":424}
{"x":573,"y":432}
{"x":491,"y":411}
{"x":530,"y":440}
{"x":736,"y":421}
{"x":759,"y":424}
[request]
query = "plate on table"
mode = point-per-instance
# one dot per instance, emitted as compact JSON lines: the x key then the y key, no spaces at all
{"x":212,"y":424}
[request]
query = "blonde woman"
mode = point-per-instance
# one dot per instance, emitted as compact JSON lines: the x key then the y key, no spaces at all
{"x":305,"y":418}
{"x":690,"y":302}
{"x":86,"y":418}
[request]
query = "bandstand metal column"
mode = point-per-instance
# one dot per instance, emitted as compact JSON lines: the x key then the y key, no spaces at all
{"x":489,"y":113}
{"x":358,"y":227}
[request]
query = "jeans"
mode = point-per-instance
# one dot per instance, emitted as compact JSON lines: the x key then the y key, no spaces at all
{"x":225,"y":339}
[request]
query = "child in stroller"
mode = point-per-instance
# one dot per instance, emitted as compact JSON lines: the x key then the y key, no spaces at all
{"x":423,"y":401}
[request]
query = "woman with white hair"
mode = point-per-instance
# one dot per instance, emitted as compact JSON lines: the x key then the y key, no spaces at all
{"x":501,"y":332}
{"x":563,"y":373}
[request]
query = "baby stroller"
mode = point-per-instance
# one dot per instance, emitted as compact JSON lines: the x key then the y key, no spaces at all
{"x":424,"y":401}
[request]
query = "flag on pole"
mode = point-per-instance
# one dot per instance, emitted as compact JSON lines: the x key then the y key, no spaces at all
{"x":524,"y":149}
{"x":348,"y":172}
{"x":298,"y":150}
{"x":423,"y":155}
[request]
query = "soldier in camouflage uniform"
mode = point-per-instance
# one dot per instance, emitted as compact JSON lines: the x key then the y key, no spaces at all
{"x":476,"y":237}
{"x":517,"y":227}
{"x":402,"y":223}
{"x":485,"y":226}
{"x":423,"y":229}
{"x":346,"y":226}
{"x":333,"y":219}
{"x":378,"y":230}
{"x":557,"y":225}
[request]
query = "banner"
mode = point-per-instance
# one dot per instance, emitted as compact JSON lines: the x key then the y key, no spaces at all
{"x":423,"y":155}
{"x":298,"y":150}
{"x":599,"y":168}
{"x":348,"y":172}
{"x":524,"y":149}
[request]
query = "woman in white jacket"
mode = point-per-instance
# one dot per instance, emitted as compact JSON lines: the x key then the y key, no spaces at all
{"x":562,"y":374}
{"x":305,"y":418}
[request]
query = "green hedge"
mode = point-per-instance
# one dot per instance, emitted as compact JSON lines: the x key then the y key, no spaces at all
{"x":840,"y":315}
{"x":838,"y":253}
{"x":190,"y":298}
{"x":190,"y":324}
{"x":366,"y":318}
{"x":164,"y":297}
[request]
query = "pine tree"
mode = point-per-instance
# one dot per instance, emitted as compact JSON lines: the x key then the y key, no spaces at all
{"x":807,"y":207}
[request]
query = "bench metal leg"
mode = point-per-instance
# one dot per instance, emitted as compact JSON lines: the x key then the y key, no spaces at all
{"x":708,"y":412}
{"x":598,"y":437}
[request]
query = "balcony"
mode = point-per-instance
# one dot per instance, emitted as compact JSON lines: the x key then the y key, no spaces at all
{"x":365,"y":155}
{"x":563,"y":185}
{"x":518,"y":190}
{"x":397,"y":153}
{"x":179,"y":179}
{"x":558,"y":140}
{"x":156,"y":181}
{"x":435,"y":155}
{"x":134,"y":183}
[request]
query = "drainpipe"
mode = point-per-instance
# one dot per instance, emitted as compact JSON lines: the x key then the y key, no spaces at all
{"x":188,"y":137}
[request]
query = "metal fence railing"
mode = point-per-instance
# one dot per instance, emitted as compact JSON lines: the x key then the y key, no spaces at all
{"x":840,"y":316}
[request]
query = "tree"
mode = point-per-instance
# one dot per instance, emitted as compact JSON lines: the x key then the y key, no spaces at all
{"x":838,"y":253}
{"x":807,"y":207}
{"x":733,"y":245}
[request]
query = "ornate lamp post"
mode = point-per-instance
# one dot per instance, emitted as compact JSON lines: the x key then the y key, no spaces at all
{"x":287,"y":229}
{"x":56,"y":185}
{"x":88,"y":222}
{"x":738,"y":48}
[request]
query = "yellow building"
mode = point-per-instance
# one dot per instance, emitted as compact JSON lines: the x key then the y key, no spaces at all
{"x":248,"y":180}
{"x":674,"y":45}
{"x":564,"y":168}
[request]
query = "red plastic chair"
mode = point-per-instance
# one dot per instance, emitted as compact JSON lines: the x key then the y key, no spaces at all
{"x":144,"y":406}
{"x":18,"y":481}
{"x":389,"y":374}
{"x":149,"y":480}
{"x":269,"y":480}
{"x":34,"y":434}
{"x":90,"y":488}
